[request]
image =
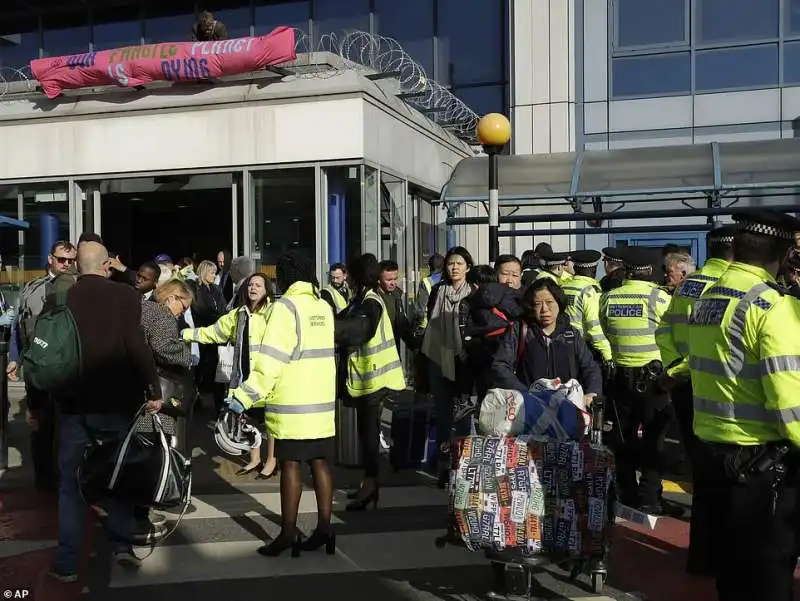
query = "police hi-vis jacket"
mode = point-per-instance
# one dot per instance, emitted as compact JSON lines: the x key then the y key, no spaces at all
{"x":672,"y":335}
{"x":744,"y":357}
{"x":583,"y":294}
{"x":630,"y":316}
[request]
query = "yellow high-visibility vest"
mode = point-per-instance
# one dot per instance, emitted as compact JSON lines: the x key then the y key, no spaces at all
{"x":583,"y":294}
{"x":340,"y":300}
{"x":376,"y":364}
{"x":744,"y":357}
{"x":630,"y":316}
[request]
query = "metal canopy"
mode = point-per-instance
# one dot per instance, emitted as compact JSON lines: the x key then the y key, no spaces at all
{"x":715,"y":168}
{"x":15,"y":223}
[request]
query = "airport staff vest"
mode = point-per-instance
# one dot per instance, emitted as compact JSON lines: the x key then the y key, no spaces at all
{"x":672,"y":336}
{"x":339,"y":299}
{"x":630,"y":315}
{"x":376,"y":364}
{"x":583,"y":311}
{"x":744,"y":356}
{"x":294,"y":367}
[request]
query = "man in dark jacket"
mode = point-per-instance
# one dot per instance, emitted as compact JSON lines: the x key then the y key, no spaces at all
{"x":118,"y":371}
{"x":392,"y":296}
{"x":615,"y":273}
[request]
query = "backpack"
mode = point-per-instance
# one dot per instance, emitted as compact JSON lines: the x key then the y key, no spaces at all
{"x":53,"y":358}
{"x":30,"y":306}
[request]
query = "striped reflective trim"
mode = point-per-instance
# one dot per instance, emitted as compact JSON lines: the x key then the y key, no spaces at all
{"x":655,"y":298}
{"x":317,"y":353}
{"x":617,"y":331}
{"x":682,"y":347}
{"x":270,"y":351}
{"x":664,"y":331}
{"x":628,"y":296}
{"x":679,"y":318}
{"x":377,"y":372}
{"x":291,"y":306}
{"x":380,"y":347}
{"x":783,"y":363}
{"x":737,"y":326}
{"x":635,"y":348}
{"x":724,"y":369}
{"x":300,"y":409}
{"x":746,"y":411}
{"x":217,"y":328}
{"x":593,"y":324}
{"x":251,"y":392}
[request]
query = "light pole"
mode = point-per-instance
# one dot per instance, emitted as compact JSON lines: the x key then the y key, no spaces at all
{"x":494,"y":132}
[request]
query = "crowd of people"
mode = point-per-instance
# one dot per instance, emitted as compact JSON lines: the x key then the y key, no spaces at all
{"x":280,"y":353}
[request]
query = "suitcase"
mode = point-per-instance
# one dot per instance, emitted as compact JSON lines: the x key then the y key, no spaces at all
{"x":413,"y":435}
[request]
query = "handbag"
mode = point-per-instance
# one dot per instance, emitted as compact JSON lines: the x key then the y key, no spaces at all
{"x":224,"y":364}
{"x":142,"y":469}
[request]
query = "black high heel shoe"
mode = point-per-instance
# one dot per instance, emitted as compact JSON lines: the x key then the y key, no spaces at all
{"x":249,"y":470}
{"x":269,"y":476}
{"x":319,"y":539}
{"x":281,"y":543}
{"x":361,"y":504}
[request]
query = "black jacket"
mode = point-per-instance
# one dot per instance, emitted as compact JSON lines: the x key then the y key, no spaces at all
{"x":118,"y":369}
{"x":612,"y":280}
{"x":208,"y":306}
{"x":564,"y":355}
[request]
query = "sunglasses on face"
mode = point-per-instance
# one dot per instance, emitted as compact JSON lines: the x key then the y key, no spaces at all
{"x":64,"y":260}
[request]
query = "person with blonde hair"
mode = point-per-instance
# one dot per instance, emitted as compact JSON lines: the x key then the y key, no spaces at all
{"x":208,"y":307}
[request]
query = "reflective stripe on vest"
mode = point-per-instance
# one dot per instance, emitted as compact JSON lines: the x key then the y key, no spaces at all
{"x":376,"y":364}
{"x":339,"y":299}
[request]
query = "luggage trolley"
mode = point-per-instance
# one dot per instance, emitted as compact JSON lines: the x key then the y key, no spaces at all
{"x":513,"y":572}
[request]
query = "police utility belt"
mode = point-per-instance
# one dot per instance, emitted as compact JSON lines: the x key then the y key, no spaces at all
{"x":641,"y":379}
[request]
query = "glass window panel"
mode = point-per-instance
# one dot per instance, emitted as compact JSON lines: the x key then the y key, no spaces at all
{"x":651,"y":75}
{"x":650,"y":22}
{"x":291,"y":14}
{"x":285,"y":215}
{"x":19,"y":43}
{"x":791,"y":63}
{"x":724,"y":20}
{"x":65,"y":34}
{"x":460,"y":59}
{"x":47,"y":210}
{"x":410,"y":23}
{"x":748,"y":67}
{"x":792,"y":17}
{"x":371,"y":205}
{"x":340,"y":17}
{"x":234,"y":14}
{"x":168,"y":21}
{"x":484,"y":99}
{"x":116,"y":28}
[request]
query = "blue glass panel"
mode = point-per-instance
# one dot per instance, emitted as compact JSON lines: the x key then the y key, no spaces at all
{"x":650,"y":22}
{"x":168,"y":21}
{"x":339,"y":16}
{"x":724,"y":20}
{"x":791,"y":63}
{"x":410,"y":23}
{"x":471,"y":39}
{"x":291,"y":14}
{"x":651,"y":75}
{"x":66,"y":34}
{"x":731,"y":68}
{"x":234,"y":14}
{"x":792,"y":17}
{"x":484,"y":99}
{"x":19,"y":44}
{"x":116,"y":28}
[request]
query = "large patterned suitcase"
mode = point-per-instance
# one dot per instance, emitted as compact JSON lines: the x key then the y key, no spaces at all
{"x":534,"y":496}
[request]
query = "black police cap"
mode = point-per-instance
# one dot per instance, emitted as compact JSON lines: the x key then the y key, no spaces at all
{"x":585,"y":258}
{"x":723,"y":234}
{"x":613,"y":254}
{"x":553,"y":258}
{"x":766,"y":222}
{"x":639,"y":258}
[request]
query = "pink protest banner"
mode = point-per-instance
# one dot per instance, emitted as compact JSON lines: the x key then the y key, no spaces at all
{"x":183,"y":61}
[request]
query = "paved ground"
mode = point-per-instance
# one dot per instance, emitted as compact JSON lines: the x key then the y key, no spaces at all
{"x":388,"y":553}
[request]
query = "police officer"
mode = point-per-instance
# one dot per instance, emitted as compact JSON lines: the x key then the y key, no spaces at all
{"x":583,"y":293}
{"x":615,"y":272}
{"x":672,"y":337}
{"x":630,"y":315}
{"x":744,"y":353}
{"x":293,"y":371}
{"x":554,"y":266}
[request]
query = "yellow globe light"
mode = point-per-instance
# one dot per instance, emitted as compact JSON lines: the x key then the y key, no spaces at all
{"x":494,"y":130}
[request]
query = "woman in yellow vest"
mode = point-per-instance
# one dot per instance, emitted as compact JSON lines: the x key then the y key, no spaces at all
{"x":294,"y":371}
{"x":243,"y":327}
{"x":373,"y":368}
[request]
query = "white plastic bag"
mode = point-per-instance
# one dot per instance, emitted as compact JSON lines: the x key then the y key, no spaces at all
{"x":502,"y":413}
{"x":224,"y":364}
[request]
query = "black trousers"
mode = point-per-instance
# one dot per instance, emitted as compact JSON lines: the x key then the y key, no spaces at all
{"x":753,"y":547}
{"x":629,"y":410}
{"x":683,"y":405}
{"x":43,"y":440}
{"x":368,"y":416}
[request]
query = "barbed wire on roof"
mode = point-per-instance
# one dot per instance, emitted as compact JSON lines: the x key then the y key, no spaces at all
{"x":11,"y":75}
{"x":371,"y":53}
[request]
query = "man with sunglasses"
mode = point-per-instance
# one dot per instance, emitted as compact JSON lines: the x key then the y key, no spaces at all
{"x":40,"y":413}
